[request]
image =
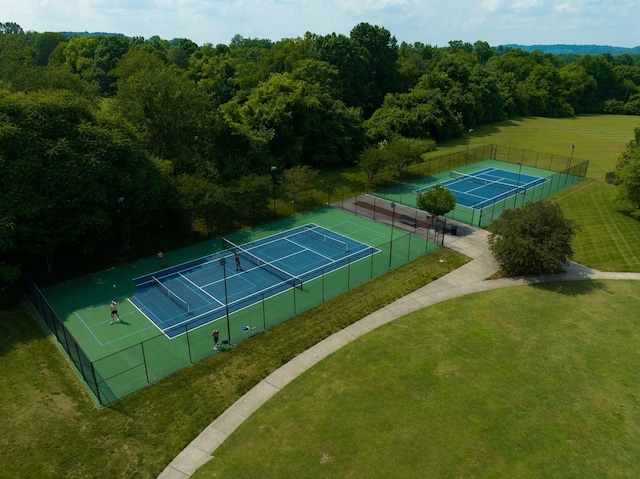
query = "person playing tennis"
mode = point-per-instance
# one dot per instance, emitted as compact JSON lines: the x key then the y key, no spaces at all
{"x":216,"y":335}
{"x":236,"y":258}
{"x":114,"y":312}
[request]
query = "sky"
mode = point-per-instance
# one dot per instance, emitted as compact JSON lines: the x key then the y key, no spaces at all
{"x":432,"y":22}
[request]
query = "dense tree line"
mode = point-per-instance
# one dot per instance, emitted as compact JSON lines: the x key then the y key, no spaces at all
{"x":104,"y":135}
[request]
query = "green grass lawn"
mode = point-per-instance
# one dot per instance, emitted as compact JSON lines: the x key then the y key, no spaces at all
{"x":480,"y":386}
{"x":597,"y":138}
{"x":609,"y":239}
{"x":504,"y":382}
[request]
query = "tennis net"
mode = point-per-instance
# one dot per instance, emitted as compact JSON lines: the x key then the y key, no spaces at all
{"x":336,"y":243}
{"x":171,"y":295}
{"x":260,"y":263}
{"x":498,"y":182}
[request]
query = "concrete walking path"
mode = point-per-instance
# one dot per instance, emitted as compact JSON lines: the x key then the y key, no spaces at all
{"x":470,"y":278}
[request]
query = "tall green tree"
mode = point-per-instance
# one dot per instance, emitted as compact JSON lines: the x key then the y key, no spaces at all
{"x":437,"y":201}
{"x":400,"y":153}
{"x":579,"y":88}
{"x":628,"y":175}
{"x":295,"y":180}
{"x":201,"y":198}
{"x":11,"y":28}
{"x":143,"y":186}
{"x":180,"y":51}
{"x":212,"y":68}
{"x":483,"y":51}
{"x":246,"y":59}
{"x":350,"y":60}
{"x":601,"y":69}
{"x":413,"y":62}
{"x":308,"y":124}
{"x":107,"y":55}
{"x":44,"y":44}
{"x":250,"y":196}
{"x":64,"y":172}
{"x":373,"y":160}
{"x":16,"y":58}
{"x":488,"y":100}
{"x":49,"y":188}
{"x":162,"y":104}
{"x":382,"y":55}
{"x":543,"y":94}
{"x":422,"y":113}
{"x":78,"y":54}
{"x":534,"y":239}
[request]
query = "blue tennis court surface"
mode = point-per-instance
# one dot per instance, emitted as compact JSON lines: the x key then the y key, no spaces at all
{"x":485,"y":187}
{"x":190,"y":295}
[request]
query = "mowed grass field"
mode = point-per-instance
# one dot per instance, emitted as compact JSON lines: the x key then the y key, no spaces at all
{"x":483,"y":386}
{"x":597,"y":138}
{"x":523,"y":382}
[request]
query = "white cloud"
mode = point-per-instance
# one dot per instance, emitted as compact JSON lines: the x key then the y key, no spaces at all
{"x":490,"y":5}
{"x":372,"y":5}
{"x":565,"y":7}
{"x":428,"y":21}
{"x":519,"y":5}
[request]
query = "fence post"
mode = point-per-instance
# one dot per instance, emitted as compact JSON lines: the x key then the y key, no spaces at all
{"x":371,"y":262}
{"x":95,"y":381}
{"x":323,"y":272}
{"x":144,"y":361}
{"x":189,"y":346}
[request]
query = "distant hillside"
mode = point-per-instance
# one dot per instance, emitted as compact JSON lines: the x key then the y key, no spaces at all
{"x":577,"y":49}
{"x":91,"y":34}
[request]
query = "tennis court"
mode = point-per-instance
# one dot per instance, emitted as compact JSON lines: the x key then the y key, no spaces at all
{"x":196,"y":293}
{"x":486,"y":186}
{"x":290,"y":266}
{"x":501,"y":178}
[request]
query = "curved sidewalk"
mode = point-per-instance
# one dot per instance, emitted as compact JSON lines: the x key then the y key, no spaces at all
{"x":469,"y":278}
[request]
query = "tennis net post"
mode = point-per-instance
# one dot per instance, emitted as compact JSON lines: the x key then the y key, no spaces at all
{"x":326,"y":239}
{"x":171,"y":295}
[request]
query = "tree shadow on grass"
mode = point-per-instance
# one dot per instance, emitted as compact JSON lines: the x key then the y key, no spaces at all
{"x":572,"y":287}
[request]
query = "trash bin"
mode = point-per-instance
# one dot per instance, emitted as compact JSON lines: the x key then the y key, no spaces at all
{"x":454,"y":229}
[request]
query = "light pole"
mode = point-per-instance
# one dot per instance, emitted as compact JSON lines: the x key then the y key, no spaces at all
{"x":393,"y":222}
{"x":570,"y":158}
{"x":569,"y":165}
{"x":123,"y":232}
{"x":222,"y":262}
{"x":468,"y":141}
{"x":273,"y":189}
